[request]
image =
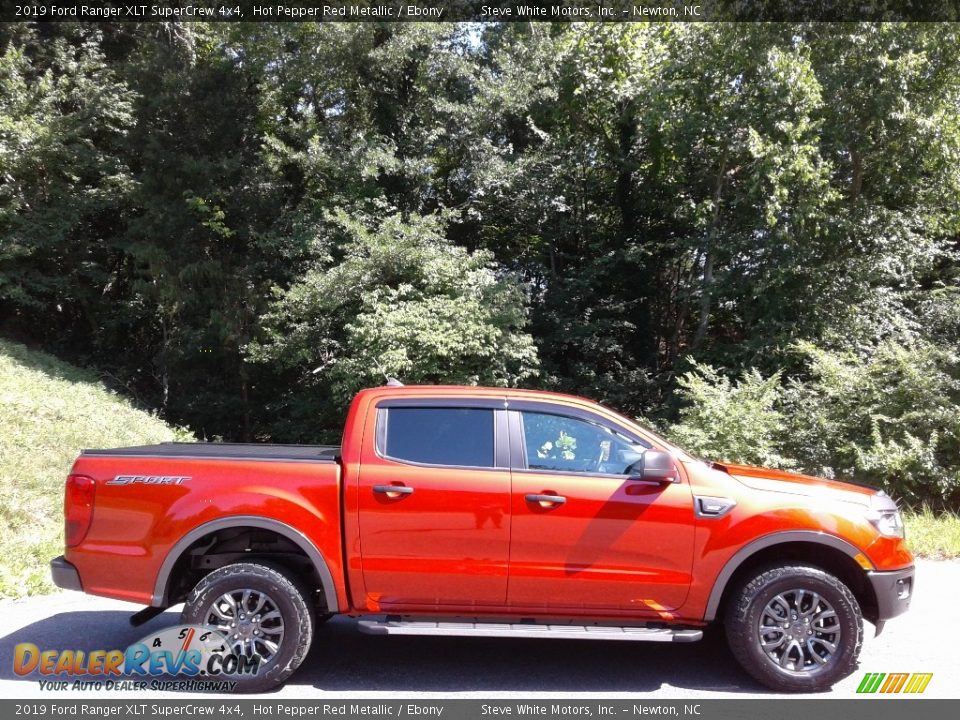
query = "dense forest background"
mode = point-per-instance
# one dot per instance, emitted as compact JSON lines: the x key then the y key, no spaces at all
{"x":747,"y":234}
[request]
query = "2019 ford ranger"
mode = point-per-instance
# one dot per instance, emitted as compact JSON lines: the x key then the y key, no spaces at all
{"x":488,"y":512}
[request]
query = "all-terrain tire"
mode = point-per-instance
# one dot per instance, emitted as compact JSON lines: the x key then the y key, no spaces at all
{"x":288,"y":596}
{"x":808,"y":665}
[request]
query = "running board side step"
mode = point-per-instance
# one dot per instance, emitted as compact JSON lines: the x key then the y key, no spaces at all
{"x":527,"y":630}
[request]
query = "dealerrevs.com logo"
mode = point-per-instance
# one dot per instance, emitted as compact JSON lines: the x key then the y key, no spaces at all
{"x":201,"y":655}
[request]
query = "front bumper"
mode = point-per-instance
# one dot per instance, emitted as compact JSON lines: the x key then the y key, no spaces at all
{"x":893,"y":591}
{"x":64,"y":574}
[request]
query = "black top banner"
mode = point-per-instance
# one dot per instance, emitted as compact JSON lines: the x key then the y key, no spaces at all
{"x":488,"y":11}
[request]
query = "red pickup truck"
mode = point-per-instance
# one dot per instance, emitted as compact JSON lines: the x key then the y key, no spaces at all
{"x":468,"y":511}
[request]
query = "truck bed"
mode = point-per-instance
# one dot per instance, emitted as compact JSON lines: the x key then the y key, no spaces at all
{"x":237,"y":451}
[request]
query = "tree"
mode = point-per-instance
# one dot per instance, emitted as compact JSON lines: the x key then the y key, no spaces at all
{"x":398,"y":299}
{"x":64,"y":117}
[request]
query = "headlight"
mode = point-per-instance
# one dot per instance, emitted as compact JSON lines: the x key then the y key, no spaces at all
{"x":888,"y":522}
{"x":885,"y":516}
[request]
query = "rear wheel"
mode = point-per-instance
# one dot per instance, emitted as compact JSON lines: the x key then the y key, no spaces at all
{"x":263,"y":612}
{"x":795,"y":628}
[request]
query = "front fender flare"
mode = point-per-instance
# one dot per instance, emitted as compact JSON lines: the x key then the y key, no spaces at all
{"x":779,"y":538}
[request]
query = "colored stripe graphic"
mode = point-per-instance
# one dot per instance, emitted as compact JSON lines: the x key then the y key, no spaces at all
{"x":918,"y":682}
{"x":871,"y":682}
{"x":894,"y":683}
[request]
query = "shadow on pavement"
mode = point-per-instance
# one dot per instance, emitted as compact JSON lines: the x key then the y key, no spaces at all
{"x":342,"y":659}
{"x":81,"y":630}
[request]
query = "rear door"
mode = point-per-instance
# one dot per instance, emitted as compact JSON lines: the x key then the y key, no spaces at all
{"x":585,"y":536}
{"x":434,"y":505}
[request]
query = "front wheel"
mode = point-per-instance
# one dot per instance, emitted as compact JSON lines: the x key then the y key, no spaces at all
{"x":795,"y":628}
{"x":263,"y":613}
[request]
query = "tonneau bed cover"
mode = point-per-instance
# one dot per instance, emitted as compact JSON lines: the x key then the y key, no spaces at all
{"x":238,"y":451}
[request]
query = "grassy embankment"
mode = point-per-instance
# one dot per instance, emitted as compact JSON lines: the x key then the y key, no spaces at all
{"x":933,"y":536}
{"x":49,"y":410}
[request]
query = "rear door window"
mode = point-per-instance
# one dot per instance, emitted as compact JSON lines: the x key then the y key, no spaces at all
{"x":439,"y":436}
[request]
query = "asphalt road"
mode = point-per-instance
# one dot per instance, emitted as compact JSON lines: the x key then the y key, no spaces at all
{"x":344,"y":663}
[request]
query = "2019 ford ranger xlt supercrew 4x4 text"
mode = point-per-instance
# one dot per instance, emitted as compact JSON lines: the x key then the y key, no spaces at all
{"x":491,"y":512}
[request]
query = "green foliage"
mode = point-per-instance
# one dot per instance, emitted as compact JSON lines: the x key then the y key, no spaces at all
{"x":49,"y":411}
{"x":63,"y":118}
{"x":889,"y":419}
{"x":737,"y":421}
{"x":401,"y":301}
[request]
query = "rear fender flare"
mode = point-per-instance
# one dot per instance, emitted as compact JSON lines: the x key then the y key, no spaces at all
{"x":161,"y":586}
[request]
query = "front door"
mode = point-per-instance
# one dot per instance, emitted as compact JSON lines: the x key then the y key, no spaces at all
{"x":434,"y":506}
{"x":586,"y":537}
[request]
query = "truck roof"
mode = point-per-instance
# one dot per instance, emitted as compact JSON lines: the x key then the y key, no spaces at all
{"x":474,"y":391}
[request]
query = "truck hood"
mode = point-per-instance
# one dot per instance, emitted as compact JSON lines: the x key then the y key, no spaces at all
{"x":797,"y":484}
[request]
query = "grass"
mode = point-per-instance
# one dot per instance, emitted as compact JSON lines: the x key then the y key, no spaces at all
{"x":49,"y":411}
{"x":935,"y":536}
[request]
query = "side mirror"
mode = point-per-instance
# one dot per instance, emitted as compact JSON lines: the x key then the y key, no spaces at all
{"x":654,"y":466}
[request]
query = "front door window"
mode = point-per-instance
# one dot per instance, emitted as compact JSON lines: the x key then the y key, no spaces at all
{"x":566,"y":444}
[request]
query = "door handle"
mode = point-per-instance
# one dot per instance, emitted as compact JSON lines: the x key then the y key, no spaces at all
{"x":552,"y":499}
{"x":393,"y":489}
